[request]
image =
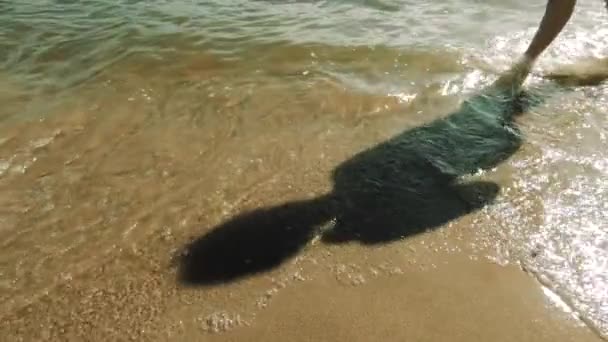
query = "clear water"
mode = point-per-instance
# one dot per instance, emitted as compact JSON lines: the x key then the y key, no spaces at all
{"x":157,"y":70}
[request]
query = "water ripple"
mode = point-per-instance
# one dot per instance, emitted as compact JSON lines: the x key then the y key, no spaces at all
{"x":203,"y":61}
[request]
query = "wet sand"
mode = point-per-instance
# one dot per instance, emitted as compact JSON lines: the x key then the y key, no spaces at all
{"x":299,"y":170}
{"x":461,"y":300}
{"x":447,"y":297}
{"x":100,"y":198}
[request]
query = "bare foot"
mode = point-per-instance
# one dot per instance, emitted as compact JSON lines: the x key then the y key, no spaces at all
{"x":513,"y":79}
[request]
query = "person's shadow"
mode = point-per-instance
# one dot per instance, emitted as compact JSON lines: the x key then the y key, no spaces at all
{"x":399,"y":188}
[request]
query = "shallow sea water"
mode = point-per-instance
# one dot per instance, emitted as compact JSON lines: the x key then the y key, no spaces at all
{"x":126,"y":119}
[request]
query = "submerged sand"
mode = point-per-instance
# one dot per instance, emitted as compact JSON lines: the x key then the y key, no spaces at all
{"x":100,"y":198}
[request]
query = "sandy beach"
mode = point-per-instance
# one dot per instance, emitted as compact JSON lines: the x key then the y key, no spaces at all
{"x":168,"y":175}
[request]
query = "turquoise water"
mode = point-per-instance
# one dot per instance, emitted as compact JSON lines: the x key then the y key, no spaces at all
{"x":52,"y":42}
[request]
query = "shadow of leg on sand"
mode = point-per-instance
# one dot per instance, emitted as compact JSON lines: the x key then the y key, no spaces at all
{"x":401,"y":187}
